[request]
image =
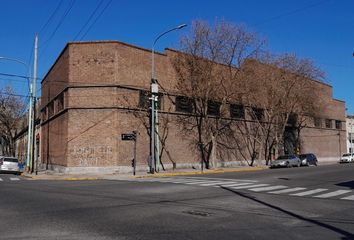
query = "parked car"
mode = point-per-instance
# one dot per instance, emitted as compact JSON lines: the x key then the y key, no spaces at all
{"x":289,"y":160}
{"x":347,"y":158}
{"x":308,"y":159}
{"x":9,"y":164}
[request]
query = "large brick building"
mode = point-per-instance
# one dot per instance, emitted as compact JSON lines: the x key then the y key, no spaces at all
{"x":89,"y":97}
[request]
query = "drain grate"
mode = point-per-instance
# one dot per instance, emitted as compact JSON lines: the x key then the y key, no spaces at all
{"x":198,"y":213}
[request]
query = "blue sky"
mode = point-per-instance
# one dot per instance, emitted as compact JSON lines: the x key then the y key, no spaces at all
{"x":322,"y":30}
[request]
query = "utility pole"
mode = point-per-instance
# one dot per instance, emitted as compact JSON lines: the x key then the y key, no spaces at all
{"x":34,"y":159}
{"x":29,"y":132}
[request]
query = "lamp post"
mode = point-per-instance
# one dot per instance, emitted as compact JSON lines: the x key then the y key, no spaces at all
{"x":29,"y":135}
{"x":154,"y":100}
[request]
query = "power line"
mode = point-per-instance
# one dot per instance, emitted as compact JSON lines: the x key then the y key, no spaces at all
{"x":93,"y":23}
{"x":51,"y":17}
{"x":18,"y":76}
{"x":291,"y":12}
{"x":68,"y":9}
{"x":89,"y":19}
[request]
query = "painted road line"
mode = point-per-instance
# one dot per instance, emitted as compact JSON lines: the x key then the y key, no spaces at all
{"x":332,"y":194}
{"x":222,"y":179}
{"x":214,"y":183}
{"x":201,"y":182}
{"x":14,"y":179}
{"x":235,"y":184}
{"x":262,"y":189}
{"x":250,"y":186}
{"x":349,"y":197}
{"x":1,"y":180}
{"x":318,"y":190}
{"x":288,"y":190}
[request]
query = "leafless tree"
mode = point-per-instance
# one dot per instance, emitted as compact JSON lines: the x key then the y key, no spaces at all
{"x":11,"y":112}
{"x":208,"y":70}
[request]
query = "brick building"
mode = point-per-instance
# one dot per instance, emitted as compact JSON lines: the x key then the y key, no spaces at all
{"x":90,"y":95}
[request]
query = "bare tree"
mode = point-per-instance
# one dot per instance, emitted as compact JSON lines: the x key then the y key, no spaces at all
{"x":11,"y":112}
{"x":208,"y":71}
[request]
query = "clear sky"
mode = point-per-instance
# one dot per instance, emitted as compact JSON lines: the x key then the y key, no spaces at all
{"x":322,"y":30}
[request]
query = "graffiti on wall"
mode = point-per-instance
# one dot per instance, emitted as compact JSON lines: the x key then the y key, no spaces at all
{"x":91,"y":156}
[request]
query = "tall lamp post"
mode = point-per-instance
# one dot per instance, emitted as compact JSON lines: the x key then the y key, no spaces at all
{"x":154,"y":99}
{"x":29,"y":135}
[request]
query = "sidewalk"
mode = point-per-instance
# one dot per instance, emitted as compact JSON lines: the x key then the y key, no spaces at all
{"x":51,"y":175}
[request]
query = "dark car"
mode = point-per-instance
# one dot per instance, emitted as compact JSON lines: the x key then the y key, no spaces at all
{"x":308,"y":159}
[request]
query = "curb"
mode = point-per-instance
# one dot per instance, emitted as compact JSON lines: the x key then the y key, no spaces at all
{"x":157,"y":175}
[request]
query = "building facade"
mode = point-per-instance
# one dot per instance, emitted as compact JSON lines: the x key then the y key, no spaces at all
{"x":96,"y":91}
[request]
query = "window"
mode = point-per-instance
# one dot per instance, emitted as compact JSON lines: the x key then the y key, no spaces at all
{"x":328,"y":123}
{"x":237,"y":111}
{"x":50,"y":110}
{"x":338,"y":124}
{"x":145,"y":102}
{"x":257,"y":114}
{"x":317,"y":122}
{"x":184,"y":104}
{"x":60,"y":102}
{"x":214,"y":108}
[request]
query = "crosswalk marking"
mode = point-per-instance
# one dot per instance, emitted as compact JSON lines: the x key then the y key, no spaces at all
{"x":332,"y":194}
{"x":14,"y":179}
{"x":235,"y":184}
{"x":250,"y":186}
{"x":349,"y":197}
{"x":201,"y":183}
{"x":318,"y":190}
{"x":262,"y":189}
{"x":289,"y":190}
{"x":1,"y":179}
{"x":212,"y":184}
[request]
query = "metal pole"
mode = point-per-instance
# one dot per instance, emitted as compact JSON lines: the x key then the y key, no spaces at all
{"x":152,"y":116}
{"x":351,"y":140}
{"x":34,"y":159}
{"x":29,"y":133}
{"x":135,"y":140}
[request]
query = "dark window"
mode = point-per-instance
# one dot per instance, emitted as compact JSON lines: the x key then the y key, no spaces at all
{"x":257,"y":114}
{"x":145,"y":102}
{"x":184,"y":104}
{"x":50,"y":109}
{"x":60,"y":102}
{"x":317,"y":122}
{"x":328,"y":123}
{"x":214,"y":108}
{"x":338,"y":124}
{"x":292,"y":119}
{"x":237,"y":111}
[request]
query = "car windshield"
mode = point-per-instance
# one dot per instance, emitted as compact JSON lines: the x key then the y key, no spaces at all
{"x":302,"y":157}
{"x":346,"y":155}
{"x":10,"y":160}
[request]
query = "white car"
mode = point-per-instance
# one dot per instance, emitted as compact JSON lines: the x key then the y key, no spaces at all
{"x":347,"y":158}
{"x":9,"y":164}
{"x":290,"y":160}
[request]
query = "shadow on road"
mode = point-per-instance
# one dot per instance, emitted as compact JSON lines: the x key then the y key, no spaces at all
{"x":346,"y":235}
{"x":349,"y":184}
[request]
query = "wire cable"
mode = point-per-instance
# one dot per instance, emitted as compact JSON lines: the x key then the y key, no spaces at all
{"x":93,"y":23}
{"x":89,"y":19}
{"x":51,"y":17}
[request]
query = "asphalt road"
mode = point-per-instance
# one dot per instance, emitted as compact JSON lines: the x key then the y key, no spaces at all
{"x":296,"y":203}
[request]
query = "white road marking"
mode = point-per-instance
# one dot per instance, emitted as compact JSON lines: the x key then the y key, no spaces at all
{"x":214,"y":183}
{"x":332,"y":194}
{"x":222,"y":179}
{"x":1,"y":179}
{"x":262,"y":189}
{"x":202,"y":182}
{"x":349,"y":197}
{"x":235,"y":184}
{"x":14,"y":179}
{"x":309,"y":192}
{"x":288,"y":190}
{"x":250,"y":186}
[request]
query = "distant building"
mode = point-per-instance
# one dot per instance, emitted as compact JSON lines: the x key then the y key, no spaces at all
{"x":90,"y":95}
{"x":350,"y":133}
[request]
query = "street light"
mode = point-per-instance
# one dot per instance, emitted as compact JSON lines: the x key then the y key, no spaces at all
{"x":29,"y":135}
{"x":154,"y":99}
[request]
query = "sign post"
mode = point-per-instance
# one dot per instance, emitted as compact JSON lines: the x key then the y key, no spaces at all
{"x":131,"y":137}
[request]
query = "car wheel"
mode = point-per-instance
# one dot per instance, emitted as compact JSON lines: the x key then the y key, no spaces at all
{"x":288,"y":165}
{"x":315,"y":163}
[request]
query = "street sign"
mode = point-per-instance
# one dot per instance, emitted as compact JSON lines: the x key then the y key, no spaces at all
{"x":128,"y":137}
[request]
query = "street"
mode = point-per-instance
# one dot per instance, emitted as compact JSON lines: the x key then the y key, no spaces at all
{"x":292,"y":203}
